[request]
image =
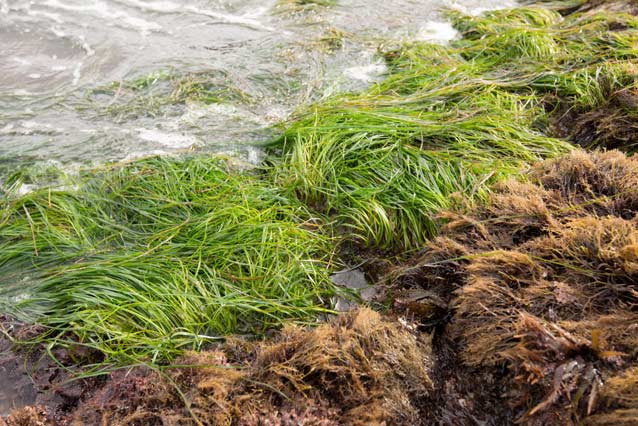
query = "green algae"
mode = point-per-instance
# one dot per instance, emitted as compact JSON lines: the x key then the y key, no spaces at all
{"x":153,"y":93}
{"x":161,"y":255}
{"x":452,"y":119}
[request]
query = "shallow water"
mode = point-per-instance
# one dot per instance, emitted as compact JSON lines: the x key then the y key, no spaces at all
{"x":67,"y":69}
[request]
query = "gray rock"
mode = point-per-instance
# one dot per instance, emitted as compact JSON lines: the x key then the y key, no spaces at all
{"x":353,"y":279}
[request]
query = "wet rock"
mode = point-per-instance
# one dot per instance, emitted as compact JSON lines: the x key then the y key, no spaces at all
{"x":16,"y":388}
{"x":353,"y":279}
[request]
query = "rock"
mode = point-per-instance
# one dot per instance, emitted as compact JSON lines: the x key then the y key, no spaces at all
{"x":353,"y":279}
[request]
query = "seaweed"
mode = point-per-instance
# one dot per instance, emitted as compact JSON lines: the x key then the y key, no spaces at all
{"x":541,"y":282}
{"x":358,"y":369}
{"x":145,"y":260}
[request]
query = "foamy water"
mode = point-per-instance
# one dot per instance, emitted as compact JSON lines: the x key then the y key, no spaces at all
{"x":59,"y":60}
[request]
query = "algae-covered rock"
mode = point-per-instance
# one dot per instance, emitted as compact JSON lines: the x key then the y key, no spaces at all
{"x":360,"y":369}
{"x":543,"y":286}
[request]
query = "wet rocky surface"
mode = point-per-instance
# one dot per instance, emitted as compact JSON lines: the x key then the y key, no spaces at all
{"x":354,"y":280}
{"x":16,"y":387}
{"x":45,"y":383}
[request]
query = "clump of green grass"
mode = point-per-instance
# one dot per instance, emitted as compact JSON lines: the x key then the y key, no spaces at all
{"x":15,"y":177}
{"x":581,"y":59}
{"x":384,"y":170}
{"x":164,"y":254}
{"x":452,"y":119}
{"x":586,"y":70}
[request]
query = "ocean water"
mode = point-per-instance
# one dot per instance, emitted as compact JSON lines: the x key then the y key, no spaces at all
{"x":89,"y":81}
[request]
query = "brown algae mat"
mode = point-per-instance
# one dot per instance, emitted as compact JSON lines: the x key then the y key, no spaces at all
{"x":359,"y":369}
{"x":541,"y":290}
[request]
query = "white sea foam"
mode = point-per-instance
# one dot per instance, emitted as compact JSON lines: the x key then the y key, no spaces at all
{"x":21,"y":61}
{"x":104,"y":10}
{"x":477,"y":7}
{"x":87,"y":48}
{"x":167,"y":139}
{"x":366,"y":73}
{"x":77,"y":74}
{"x":26,"y":188}
{"x":437,"y":32}
{"x":141,"y":154}
{"x":55,"y":17}
{"x":174,"y":7}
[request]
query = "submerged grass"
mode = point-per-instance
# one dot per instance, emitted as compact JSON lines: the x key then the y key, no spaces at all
{"x":161,"y":255}
{"x":151,"y":94}
{"x":455,"y":119}
{"x":287,"y":6}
